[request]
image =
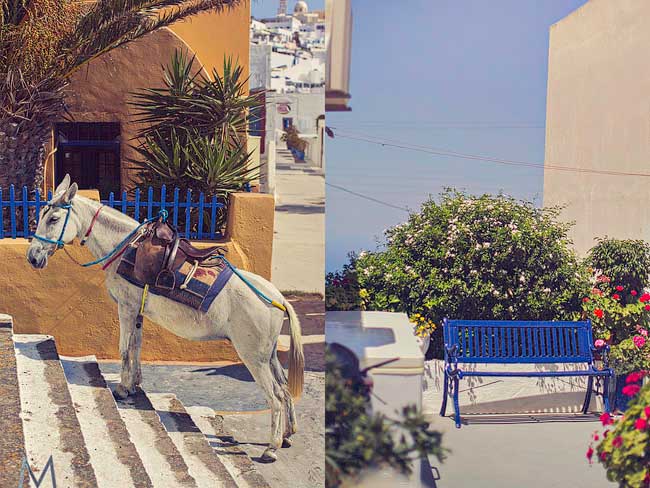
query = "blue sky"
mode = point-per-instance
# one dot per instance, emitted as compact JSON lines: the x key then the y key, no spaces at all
{"x":268,"y":8}
{"x":420,"y":69}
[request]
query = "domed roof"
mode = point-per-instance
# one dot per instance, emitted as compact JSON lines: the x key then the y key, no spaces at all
{"x":301,"y":7}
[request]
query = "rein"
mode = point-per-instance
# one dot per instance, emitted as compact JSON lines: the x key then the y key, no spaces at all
{"x":61,"y":245}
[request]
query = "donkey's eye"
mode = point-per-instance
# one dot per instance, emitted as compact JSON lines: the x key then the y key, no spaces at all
{"x":54,"y":218}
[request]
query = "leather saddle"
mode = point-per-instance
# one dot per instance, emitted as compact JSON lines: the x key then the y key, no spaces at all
{"x":161,"y":251}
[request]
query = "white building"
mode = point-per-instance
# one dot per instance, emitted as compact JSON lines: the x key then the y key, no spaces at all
{"x":287,"y":59}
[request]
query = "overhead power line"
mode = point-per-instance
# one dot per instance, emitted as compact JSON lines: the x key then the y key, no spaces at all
{"x":476,"y":157}
{"x":372,"y":199}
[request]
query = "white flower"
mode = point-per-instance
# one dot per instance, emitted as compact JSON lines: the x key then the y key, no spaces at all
{"x":486,"y":245}
{"x":546,"y":290}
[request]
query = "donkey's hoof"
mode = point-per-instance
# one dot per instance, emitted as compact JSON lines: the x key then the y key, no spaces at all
{"x":269,"y":456}
{"x":287,"y":442}
{"x":121,"y":393}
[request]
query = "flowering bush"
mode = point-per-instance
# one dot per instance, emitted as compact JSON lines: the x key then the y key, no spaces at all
{"x":423,"y":325}
{"x":487,"y":257}
{"x":342,"y":288}
{"x":626,"y":262}
{"x":620,"y":318}
{"x":623,"y":448}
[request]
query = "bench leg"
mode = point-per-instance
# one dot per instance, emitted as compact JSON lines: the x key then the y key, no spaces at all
{"x":445,"y":394}
{"x":606,"y":393}
{"x":590,"y":385}
{"x":456,"y":403}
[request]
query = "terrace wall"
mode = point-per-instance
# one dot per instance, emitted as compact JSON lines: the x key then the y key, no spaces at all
{"x":71,"y":303}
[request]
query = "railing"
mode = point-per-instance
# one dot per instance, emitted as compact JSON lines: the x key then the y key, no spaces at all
{"x":195,"y":218}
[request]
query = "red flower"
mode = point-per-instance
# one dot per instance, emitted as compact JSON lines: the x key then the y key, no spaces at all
{"x":598,"y":313}
{"x":640,"y":424}
{"x":619,"y":288}
{"x":596,"y":291}
{"x":585,"y":299}
{"x":647,"y":412}
{"x":616,"y":296}
{"x":606,"y":419}
{"x":590,"y":453}
{"x":631,"y":390}
{"x":634,"y":377}
{"x":633,"y":293}
{"x":645,"y":297}
{"x":603,"y":455}
{"x":647,"y":307}
{"x":618,"y":441}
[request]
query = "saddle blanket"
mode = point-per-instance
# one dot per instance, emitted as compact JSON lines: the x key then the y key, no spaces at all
{"x":201,"y":290}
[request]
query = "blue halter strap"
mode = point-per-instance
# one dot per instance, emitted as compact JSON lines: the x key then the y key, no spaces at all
{"x":162,"y":214}
{"x":59,"y":242}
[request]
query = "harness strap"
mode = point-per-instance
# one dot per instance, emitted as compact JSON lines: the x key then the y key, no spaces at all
{"x":251,"y":286}
{"x":92,"y":223}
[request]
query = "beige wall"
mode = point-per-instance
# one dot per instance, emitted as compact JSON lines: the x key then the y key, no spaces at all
{"x":598,"y":117}
{"x":71,"y":303}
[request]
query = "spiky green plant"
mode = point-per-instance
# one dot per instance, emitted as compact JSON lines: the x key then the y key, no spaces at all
{"x":190,"y":98}
{"x":43,"y":43}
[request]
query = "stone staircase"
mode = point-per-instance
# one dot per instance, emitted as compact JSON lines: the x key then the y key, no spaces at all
{"x":63,"y":407}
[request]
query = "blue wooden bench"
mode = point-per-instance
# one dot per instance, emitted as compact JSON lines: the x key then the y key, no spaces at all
{"x":519,"y":342}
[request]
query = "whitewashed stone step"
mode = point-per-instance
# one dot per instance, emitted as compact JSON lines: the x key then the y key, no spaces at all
{"x":112,"y":453}
{"x":50,"y":424}
{"x":162,"y":460}
{"x":236,"y":461}
{"x":203,"y":463}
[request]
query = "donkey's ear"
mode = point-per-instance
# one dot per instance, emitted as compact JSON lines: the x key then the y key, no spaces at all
{"x":63,"y":186}
{"x":70,"y":193}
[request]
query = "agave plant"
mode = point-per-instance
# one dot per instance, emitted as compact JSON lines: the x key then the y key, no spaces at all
{"x":215,"y":104}
{"x":43,"y":43}
{"x":189,"y":160}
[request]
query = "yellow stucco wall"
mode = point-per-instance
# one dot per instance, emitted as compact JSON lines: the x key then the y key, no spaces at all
{"x":213,"y":35}
{"x":100,"y":92}
{"x":71,"y":303}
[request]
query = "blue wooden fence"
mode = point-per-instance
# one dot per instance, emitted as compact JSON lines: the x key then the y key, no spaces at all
{"x":195,"y":217}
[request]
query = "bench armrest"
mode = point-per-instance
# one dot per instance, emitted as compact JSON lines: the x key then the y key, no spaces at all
{"x":603,"y":351}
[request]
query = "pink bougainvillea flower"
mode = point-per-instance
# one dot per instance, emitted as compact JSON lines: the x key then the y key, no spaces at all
{"x":616,"y":296}
{"x":641,"y":424}
{"x":646,"y":410}
{"x":598,"y":313}
{"x":634,"y":377}
{"x":619,"y":288}
{"x":590,"y":453}
{"x":599,"y":343}
{"x":633,"y":293}
{"x":639,"y":341}
{"x":603,"y":456}
{"x":606,"y":419}
{"x":631,"y":390}
{"x":618,"y":441}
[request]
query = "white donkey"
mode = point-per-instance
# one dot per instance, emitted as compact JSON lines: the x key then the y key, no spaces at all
{"x":237,"y":313}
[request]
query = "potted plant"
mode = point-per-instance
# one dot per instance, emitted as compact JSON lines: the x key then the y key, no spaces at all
{"x":621,"y":319}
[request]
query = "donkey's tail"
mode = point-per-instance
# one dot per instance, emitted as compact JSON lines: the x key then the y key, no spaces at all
{"x":296,"y":355}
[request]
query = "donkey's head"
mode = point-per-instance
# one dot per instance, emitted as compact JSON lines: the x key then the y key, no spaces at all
{"x":55,"y":225}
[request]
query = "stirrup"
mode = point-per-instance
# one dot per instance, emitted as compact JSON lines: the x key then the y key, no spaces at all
{"x":166,"y":280}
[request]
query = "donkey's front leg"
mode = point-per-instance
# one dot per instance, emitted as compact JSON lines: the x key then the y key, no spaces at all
{"x":130,"y":345}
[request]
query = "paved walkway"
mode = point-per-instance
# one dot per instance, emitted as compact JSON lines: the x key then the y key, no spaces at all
{"x":299,"y":241}
{"x":542,"y":451}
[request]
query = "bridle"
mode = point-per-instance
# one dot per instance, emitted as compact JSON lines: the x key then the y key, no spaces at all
{"x":59,"y":242}
{"x":120,"y":247}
